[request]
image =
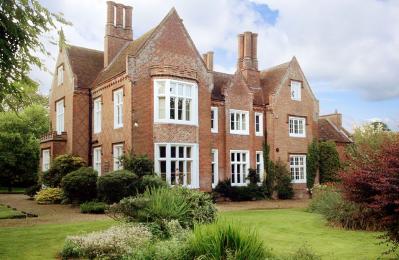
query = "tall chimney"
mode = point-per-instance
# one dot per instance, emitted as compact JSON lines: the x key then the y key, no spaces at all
{"x":118,"y":29}
{"x":208,"y":59}
{"x":247,"y":62}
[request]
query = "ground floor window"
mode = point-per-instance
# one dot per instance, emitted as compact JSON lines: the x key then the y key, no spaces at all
{"x":298,"y":168}
{"x":97,"y":160}
{"x":117,"y":150}
{"x":239,"y":161}
{"x":259,"y":164}
{"x":215,"y":167}
{"x":177,"y":164}
{"x":45,"y":159}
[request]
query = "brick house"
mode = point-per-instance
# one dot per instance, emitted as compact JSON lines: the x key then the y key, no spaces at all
{"x":156,"y":95}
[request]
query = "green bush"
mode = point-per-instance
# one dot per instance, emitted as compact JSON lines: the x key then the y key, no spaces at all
{"x":242,"y":193}
{"x":329,"y":162}
{"x":114,"y":186}
{"x":223,"y":240}
{"x":283,"y":182}
{"x":80,"y":185}
{"x":49,"y":195}
{"x":138,"y":164}
{"x":93,"y":207}
{"x":202,"y":208}
{"x":253,"y":176}
{"x":270,"y":179}
{"x":312,"y":163}
{"x":150,"y":182}
{"x":61,"y":166}
{"x":32,"y":190}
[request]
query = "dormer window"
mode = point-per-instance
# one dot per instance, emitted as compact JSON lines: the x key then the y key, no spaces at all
{"x":296,"y":87}
{"x":60,"y":75}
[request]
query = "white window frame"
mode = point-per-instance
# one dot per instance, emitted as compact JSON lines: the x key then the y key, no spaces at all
{"x":259,"y":132}
{"x":45,"y":159}
{"x":60,"y":75}
{"x":97,"y":159}
{"x":298,"y":168}
{"x":214,"y":119}
{"x":117,"y":153}
{"x":259,"y":164}
{"x":296,"y":89}
{"x":294,"y":126}
{"x":167,"y":89}
{"x":241,"y":127}
{"x":168,"y":159}
{"x":97,"y":115}
{"x":60,"y":116}
{"x":241,"y":166}
{"x":215,"y":167}
{"x":118,"y":108}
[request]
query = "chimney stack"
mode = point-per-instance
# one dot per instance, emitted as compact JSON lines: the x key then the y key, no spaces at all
{"x":247,"y":58}
{"x":208,"y":59}
{"x":118,"y":29}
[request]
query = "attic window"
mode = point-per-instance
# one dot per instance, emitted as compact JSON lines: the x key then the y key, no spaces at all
{"x":296,"y":87}
{"x":60,"y":75}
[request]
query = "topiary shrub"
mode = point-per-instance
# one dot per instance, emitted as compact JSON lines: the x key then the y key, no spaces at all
{"x":93,"y":207}
{"x":283,"y":182}
{"x":138,"y":164}
{"x":80,"y":185}
{"x":61,"y":166}
{"x":329,"y":165}
{"x":49,"y":196}
{"x":116,"y":185}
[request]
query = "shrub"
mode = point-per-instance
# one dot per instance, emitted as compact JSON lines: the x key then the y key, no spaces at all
{"x":270,"y":179}
{"x":138,"y":164}
{"x":329,"y":165}
{"x":312,"y":163}
{"x":304,"y":253}
{"x":32,"y":190}
{"x":80,"y":185}
{"x":150,"y":182}
{"x":283,"y":182}
{"x":223,"y":240}
{"x":112,"y":243}
{"x":243,"y":193}
{"x":202,"y":208}
{"x":49,"y":195}
{"x":116,"y":185}
{"x":61,"y":166}
{"x":93,"y":207}
{"x":253,"y":176}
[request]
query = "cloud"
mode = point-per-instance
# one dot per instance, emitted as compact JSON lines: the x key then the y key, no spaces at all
{"x":346,"y":45}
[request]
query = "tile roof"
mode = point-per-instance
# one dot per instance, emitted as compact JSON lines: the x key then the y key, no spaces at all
{"x":271,"y":78}
{"x":329,"y":131}
{"x":220,"y":81}
{"x":85,"y":63}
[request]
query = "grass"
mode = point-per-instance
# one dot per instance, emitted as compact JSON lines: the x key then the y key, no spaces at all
{"x":284,"y":230}
{"x":6,"y":213}
{"x":16,"y":190}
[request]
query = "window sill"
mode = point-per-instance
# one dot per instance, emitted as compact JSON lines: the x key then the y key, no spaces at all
{"x":258,"y":134}
{"x":298,"y":136}
{"x":214,"y":131}
{"x":238,"y":133}
{"x":299,"y":182}
{"x":165,"y":122}
{"x":238,"y":184}
{"x":118,"y":127}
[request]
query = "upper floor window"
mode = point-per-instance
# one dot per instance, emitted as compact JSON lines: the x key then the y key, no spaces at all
{"x":97,"y":160}
{"x":118,"y":108}
{"x":117,"y":154}
{"x":175,"y":102}
{"x":239,"y":122}
{"x":297,"y":126}
{"x":298,"y":168}
{"x":258,"y":124}
{"x":97,"y":115}
{"x":45,"y":159}
{"x":59,"y":111}
{"x":60,"y":75}
{"x":239,"y":162}
{"x":214,"y":119}
{"x":296,"y":87}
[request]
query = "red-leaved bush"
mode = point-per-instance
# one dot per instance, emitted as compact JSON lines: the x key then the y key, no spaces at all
{"x":373,"y":182}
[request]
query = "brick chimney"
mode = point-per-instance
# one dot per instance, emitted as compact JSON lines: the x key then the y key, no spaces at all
{"x":247,"y":58}
{"x":118,"y":29}
{"x":335,"y":118}
{"x":208,"y":59}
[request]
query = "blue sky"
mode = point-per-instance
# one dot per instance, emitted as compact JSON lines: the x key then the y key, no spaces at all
{"x":349,"y":50}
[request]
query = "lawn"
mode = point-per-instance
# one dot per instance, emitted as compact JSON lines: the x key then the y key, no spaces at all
{"x":16,"y":190}
{"x":284,"y":230}
{"x":6,"y":212}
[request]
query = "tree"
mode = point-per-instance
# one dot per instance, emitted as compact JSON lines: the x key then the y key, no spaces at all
{"x":380,"y":126}
{"x":22,"y":22}
{"x":329,"y":165}
{"x":19,"y":145}
{"x":312,"y":163}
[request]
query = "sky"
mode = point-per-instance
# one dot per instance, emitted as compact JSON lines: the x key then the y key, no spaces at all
{"x":348,"y":49}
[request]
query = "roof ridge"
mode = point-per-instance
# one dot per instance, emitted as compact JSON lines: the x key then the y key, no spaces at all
{"x":339,"y":131}
{"x":276,"y":66}
{"x":89,"y":49}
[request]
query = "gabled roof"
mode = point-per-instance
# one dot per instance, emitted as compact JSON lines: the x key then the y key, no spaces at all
{"x":329,"y":131}
{"x":85,"y":63}
{"x":271,"y":78}
{"x":220,"y":81}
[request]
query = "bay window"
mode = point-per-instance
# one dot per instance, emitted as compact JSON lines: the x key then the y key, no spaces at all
{"x":177,"y":164}
{"x":297,"y":126}
{"x":298,"y":168}
{"x":175,"y":102}
{"x":59,"y":111}
{"x":239,"y":122}
{"x":239,"y":162}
